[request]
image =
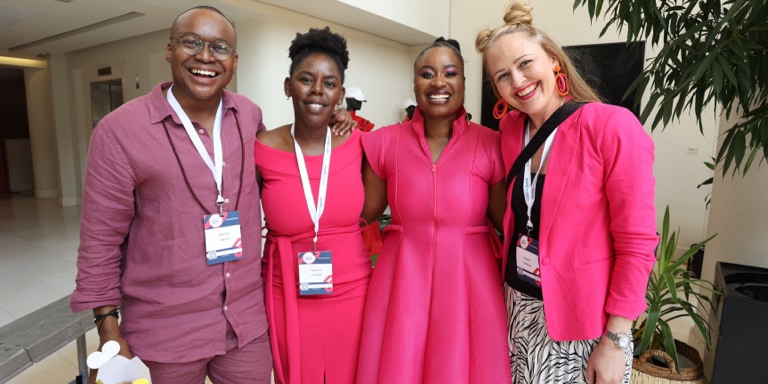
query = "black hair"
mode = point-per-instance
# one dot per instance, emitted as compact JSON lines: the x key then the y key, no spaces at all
{"x":442,"y":42}
{"x":319,"y":41}
{"x":208,"y":8}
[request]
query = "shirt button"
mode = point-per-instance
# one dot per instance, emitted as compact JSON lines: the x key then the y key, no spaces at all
{"x":225,"y":307}
{"x":226,"y":201}
{"x":201,"y":131}
{"x":227,"y":275}
{"x":223,"y":163}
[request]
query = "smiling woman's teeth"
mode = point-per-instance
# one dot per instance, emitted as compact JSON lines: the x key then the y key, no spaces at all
{"x":527,"y":90}
{"x":438,"y":97}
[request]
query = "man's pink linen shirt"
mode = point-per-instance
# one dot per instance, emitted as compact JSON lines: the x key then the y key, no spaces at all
{"x":142,"y":240}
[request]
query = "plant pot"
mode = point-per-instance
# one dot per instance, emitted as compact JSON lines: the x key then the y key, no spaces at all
{"x":645,"y":370}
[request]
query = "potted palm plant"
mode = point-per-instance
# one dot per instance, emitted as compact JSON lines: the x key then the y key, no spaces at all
{"x":672,"y":294}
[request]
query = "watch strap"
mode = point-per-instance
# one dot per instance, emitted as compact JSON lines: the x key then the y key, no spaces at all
{"x":617,"y":338}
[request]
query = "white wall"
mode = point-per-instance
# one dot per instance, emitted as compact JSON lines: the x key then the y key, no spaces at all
{"x":739,"y":217}
{"x":430,"y":16}
{"x":40,"y":122}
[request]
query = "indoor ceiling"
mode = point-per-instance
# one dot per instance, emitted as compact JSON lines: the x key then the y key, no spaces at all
{"x":34,"y":28}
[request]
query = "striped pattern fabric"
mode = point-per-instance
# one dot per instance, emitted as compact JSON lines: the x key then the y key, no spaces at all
{"x":534,"y":357}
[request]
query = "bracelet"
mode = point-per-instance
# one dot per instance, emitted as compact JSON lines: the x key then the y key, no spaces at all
{"x":114,"y":313}
{"x":363,"y":223}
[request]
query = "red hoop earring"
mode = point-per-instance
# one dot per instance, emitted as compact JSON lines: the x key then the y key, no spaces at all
{"x":562,"y":86}
{"x":500,"y":109}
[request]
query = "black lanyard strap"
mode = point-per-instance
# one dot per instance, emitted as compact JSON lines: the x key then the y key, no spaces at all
{"x":538,"y":139}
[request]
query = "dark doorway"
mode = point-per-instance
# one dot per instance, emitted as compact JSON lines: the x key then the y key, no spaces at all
{"x":105,"y":97}
{"x":15,"y":161}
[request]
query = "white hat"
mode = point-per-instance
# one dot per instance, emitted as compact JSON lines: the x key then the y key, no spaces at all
{"x":409,"y":102}
{"x":355,"y":93}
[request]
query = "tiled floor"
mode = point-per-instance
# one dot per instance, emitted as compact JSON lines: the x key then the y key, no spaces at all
{"x":38,"y":250}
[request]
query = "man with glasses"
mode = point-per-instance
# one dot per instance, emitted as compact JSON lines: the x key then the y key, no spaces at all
{"x":171,"y":224}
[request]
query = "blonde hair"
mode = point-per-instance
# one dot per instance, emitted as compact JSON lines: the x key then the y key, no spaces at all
{"x":519,"y":19}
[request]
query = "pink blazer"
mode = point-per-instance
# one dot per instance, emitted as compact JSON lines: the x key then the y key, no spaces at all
{"x":598,"y":220}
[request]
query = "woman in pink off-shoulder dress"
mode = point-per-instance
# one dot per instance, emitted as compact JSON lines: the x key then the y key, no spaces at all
{"x":312,"y":194}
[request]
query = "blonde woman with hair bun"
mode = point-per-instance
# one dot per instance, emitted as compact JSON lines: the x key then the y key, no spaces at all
{"x":579,"y":223}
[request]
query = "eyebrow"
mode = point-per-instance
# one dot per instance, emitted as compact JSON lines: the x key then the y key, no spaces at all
{"x":433,"y":68}
{"x":311,"y":74}
{"x":513,"y":62}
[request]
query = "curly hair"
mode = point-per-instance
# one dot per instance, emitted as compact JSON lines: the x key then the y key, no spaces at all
{"x":519,"y":18}
{"x":319,"y":41}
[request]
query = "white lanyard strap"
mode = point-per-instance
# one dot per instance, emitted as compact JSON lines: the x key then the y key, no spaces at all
{"x":314,"y":212}
{"x":214,"y":165}
{"x":529,"y":188}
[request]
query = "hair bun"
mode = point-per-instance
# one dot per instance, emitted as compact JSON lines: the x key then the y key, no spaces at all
{"x":518,"y":13}
{"x":452,"y":42}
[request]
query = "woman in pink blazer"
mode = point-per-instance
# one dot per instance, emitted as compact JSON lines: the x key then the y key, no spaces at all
{"x":579,"y":225}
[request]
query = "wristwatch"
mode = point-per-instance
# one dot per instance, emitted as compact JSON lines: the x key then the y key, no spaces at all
{"x":622,"y":340}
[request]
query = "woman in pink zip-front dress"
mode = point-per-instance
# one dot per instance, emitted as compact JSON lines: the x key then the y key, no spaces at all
{"x":435,"y":310}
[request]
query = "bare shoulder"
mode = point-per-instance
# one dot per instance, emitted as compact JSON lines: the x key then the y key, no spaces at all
{"x":337,"y":140}
{"x":278,"y":138}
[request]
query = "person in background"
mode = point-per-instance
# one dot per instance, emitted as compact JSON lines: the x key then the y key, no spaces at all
{"x":355,"y":99}
{"x":409,"y":106}
{"x":580,"y":230}
{"x":372,"y":231}
{"x":435,"y":310}
{"x":156,"y":186}
{"x":315,"y":265}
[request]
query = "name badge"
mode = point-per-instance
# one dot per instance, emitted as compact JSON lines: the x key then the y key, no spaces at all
{"x":315,"y":273}
{"x":223,"y":241}
{"x":527,"y":258}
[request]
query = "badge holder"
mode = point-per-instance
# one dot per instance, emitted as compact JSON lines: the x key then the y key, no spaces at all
{"x":223,"y":240}
{"x":315,"y":273}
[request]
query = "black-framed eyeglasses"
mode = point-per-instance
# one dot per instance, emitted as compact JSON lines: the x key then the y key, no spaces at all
{"x":192,"y":45}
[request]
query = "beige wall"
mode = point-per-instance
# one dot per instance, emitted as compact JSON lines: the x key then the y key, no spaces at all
{"x":430,"y":16}
{"x":739,"y":218}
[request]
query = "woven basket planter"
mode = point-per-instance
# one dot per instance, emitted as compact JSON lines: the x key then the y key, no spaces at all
{"x":644,"y":371}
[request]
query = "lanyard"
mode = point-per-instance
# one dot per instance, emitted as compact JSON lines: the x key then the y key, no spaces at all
{"x":529,"y":188}
{"x":314,"y":212}
{"x":214,"y":165}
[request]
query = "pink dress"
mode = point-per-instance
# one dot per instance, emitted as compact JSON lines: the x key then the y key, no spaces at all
{"x":435,"y":311}
{"x":314,"y":337}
